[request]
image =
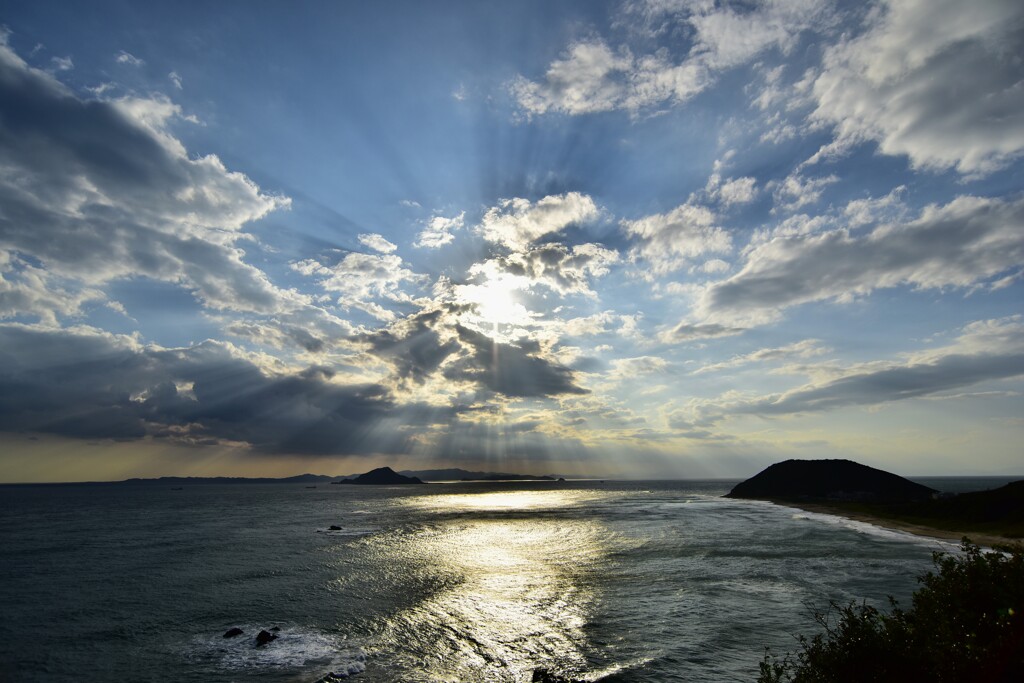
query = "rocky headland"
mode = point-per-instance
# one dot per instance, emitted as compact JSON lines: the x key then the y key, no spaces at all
{"x":849,"y":489}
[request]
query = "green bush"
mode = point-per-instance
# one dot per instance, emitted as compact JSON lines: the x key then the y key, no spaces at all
{"x":965,"y":624}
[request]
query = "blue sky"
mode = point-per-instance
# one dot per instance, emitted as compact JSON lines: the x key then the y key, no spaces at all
{"x":644,"y":238}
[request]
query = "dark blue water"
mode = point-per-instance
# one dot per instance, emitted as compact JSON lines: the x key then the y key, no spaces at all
{"x":651,"y":581}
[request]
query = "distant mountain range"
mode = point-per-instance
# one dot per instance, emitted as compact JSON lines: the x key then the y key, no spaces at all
{"x":451,"y":474}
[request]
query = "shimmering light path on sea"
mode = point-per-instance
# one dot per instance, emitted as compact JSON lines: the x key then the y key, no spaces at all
{"x":635,"y":581}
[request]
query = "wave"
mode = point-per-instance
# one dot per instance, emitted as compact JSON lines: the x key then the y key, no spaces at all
{"x":295,"y":648}
{"x":870,"y":529}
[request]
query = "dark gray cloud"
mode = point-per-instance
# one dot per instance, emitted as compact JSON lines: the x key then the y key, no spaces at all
{"x":510,"y":369}
{"x":85,"y":384}
{"x":432,"y":341}
{"x":685,"y":331}
{"x":415,"y":349}
{"x":986,"y":351}
{"x":892,"y":384}
{"x":96,"y":190}
{"x":563,"y":269}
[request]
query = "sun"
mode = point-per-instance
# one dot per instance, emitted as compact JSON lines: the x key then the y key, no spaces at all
{"x":496,"y":301}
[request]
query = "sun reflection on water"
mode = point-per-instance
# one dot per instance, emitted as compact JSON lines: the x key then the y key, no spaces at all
{"x":504,"y":500}
{"x":517,"y":592}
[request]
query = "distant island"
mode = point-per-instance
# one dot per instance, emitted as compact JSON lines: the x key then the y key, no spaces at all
{"x":860,"y":492}
{"x":382,"y":476}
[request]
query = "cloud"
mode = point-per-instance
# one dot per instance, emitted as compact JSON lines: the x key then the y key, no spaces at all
{"x":432,"y":345}
{"x":935,"y":80}
{"x":363,"y":279}
{"x":960,"y":244}
{"x":439,"y":230}
{"x":128,"y":58}
{"x":989,"y":350}
{"x":100,"y":190}
{"x":633,"y":368}
{"x":728,"y":36}
{"x":175,"y":79}
{"x":563,"y":269}
{"x":416,"y":345}
{"x":516,"y":370}
{"x":733,"y":191}
{"x":797,"y":191}
{"x":669,"y":240}
{"x":590,"y":77}
{"x":26,"y":290}
{"x":377,"y":243}
{"x":62,"y":63}
{"x":515,"y":223}
{"x":88,"y":384}
{"x":685,"y":331}
{"x":807,"y":348}
{"x":871,"y":210}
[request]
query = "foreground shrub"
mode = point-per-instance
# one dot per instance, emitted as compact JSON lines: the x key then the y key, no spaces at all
{"x":965,"y":624}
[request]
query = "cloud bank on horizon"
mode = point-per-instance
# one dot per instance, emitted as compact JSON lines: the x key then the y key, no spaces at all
{"x":654,"y":237}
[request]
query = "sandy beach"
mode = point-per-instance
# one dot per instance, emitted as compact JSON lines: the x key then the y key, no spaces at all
{"x":982,"y":539}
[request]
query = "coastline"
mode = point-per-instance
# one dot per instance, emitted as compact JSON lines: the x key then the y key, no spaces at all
{"x":982,"y":539}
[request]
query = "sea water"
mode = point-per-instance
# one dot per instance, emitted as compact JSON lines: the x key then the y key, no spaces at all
{"x":616,"y":581}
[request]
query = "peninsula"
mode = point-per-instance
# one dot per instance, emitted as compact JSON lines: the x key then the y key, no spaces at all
{"x":849,"y":489}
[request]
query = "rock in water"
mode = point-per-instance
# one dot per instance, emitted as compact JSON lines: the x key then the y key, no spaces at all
{"x":334,"y":527}
{"x":264,"y":637}
{"x":232,"y":632}
{"x":331,"y":677}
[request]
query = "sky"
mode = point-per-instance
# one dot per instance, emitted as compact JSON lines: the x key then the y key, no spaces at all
{"x":643,"y":238}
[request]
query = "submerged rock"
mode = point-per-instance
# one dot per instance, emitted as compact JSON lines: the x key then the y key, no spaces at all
{"x":264,"y":637}
{"x":232,"y":632}
{"x":334,"y":527}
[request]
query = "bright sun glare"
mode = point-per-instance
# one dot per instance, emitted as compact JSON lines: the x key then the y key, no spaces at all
{"x":496,"y":302}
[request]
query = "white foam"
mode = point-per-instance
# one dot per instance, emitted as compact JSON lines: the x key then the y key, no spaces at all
{"x":870,"y":529}
{"x":294,"y":648}
{"x":613,"y":669}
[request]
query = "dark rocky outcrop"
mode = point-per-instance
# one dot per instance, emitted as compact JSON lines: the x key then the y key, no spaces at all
{"x":232,"y":632}
{"x":334,"y":527}
{"x":382,"y":476}
{"x":264,"y":637}
{"x":829,"y":480}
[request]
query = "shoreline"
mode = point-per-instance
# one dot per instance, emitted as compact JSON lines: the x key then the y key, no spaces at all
{"x":981,"y":539}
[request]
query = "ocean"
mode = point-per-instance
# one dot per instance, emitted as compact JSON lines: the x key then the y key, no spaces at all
{"x":616,"y":581}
